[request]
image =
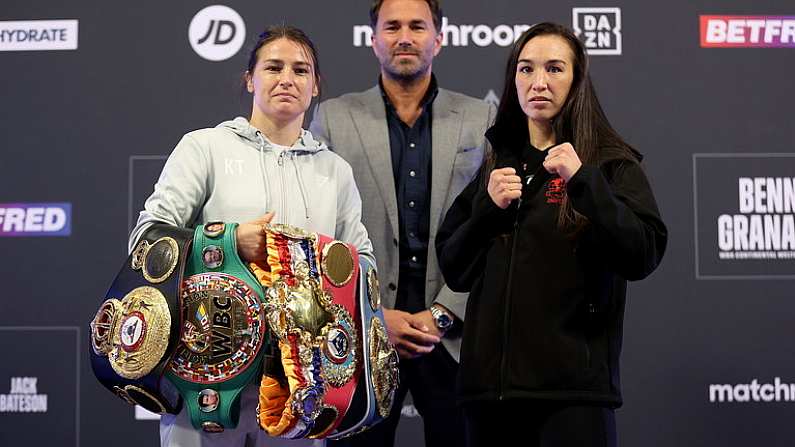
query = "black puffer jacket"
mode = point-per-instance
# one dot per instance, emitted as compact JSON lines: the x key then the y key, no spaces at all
{"x":545,"y":312}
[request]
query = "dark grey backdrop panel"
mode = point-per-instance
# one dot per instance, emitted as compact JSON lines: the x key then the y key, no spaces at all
{"x":706,"y":358}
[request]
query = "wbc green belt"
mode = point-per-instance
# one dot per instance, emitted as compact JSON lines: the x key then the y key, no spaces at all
{"x":222,"y":330}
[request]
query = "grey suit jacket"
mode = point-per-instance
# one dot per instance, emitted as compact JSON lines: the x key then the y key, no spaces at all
{"x":354,"y":126}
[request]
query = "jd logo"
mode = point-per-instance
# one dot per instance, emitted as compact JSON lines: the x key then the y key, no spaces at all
{"x":225,"y":25}
{"x":217,"y":32}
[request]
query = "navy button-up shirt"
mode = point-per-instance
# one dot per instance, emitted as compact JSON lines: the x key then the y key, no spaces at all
{"x":411,"y":166}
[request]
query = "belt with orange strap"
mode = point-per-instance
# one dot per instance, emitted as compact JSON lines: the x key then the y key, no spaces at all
{"x":325,"y":330}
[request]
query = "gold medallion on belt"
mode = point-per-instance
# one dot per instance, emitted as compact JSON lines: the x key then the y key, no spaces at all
{"x":383,"y":367}
{"x":306,"y":311}
{"x":132,"y":332}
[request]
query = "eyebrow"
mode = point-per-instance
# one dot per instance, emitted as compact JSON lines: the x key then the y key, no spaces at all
{"x":279,"y":61}
{"x":551,"y":61}
{"x":411,"y":22}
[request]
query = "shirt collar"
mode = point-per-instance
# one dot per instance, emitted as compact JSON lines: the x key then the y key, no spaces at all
{"x":427,"y":99}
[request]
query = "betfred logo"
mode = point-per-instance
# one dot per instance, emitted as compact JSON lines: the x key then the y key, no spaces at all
{"x":35,"y":219}
{"x":747,"y":31}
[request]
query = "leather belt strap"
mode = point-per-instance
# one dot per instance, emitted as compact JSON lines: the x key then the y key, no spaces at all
{"x":375,"y":391}
{"x":314,"y":312}
{"x":222,"y":330}
{"x":135,"y":329}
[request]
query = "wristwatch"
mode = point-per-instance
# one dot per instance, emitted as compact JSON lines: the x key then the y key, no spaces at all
{"x":441,"y":317}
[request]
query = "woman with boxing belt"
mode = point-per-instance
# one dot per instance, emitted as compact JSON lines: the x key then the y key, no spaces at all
{"x":264,"y":169}
{"x":545,"y":240}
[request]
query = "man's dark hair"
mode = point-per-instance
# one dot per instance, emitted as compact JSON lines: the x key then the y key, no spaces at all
{"x":435,"y":7}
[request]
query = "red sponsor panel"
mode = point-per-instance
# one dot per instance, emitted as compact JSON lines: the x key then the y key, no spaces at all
{"x":747,"y":31}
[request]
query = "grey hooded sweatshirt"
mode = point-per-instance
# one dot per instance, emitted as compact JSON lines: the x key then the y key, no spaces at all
{"x":232,"y":173}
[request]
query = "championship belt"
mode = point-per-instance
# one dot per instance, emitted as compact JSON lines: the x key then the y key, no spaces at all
{"x":134,"y":332}
{"x":375,"y":391}
{"x":222,"y":330}
{"x":312,"y":309}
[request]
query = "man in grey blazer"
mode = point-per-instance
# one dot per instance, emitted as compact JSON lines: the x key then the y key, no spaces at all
{"x":413,"y":147}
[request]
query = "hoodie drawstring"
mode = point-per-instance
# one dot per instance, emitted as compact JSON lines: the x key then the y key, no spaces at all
{"x":262,"y":171}
{"x":300,"y":184}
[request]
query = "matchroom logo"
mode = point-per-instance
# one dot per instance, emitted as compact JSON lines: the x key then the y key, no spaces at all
{"x":35,"y":219}
{"x":755,"y":391}
{"x":744,"y":216}
{"x":38,"y":35}
{"x":455,"y":35}
{"x":747,"y":31}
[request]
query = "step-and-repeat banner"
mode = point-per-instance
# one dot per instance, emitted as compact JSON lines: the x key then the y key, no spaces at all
{"x":96,"y":94}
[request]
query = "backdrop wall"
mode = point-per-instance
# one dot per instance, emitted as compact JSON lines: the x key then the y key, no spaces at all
{"x":96,"y":94}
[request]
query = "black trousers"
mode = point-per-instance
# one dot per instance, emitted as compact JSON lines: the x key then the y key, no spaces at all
{"x":431,"y":378}
{"x":535,"y":424}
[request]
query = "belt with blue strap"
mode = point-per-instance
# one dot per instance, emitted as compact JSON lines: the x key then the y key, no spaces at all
{"x":134,"y":332}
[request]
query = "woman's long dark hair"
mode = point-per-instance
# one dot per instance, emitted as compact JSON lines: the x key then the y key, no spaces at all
{"x":581,"y":121}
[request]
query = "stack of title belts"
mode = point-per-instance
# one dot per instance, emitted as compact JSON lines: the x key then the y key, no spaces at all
{"x":338,"y":371}
{"x":187,"y":322}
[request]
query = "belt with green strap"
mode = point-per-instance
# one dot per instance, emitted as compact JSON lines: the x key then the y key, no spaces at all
{"x":222,"y":330}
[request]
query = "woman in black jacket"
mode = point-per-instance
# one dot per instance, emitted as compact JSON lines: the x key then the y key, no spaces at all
{"x":544,"y":239}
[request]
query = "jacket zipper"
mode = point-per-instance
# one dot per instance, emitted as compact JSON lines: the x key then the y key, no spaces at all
{"x":591,"y":316}
{"x":280,"y":162}
{"x":508,"y":293}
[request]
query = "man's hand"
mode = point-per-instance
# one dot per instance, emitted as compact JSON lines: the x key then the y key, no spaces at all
{"x":425,"y":319}
{"x":251,"y":242}
{"x":411,"y":335}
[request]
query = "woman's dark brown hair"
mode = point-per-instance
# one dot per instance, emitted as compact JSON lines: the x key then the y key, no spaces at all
{"x":581,"y":121}
{"x":288,"y":32}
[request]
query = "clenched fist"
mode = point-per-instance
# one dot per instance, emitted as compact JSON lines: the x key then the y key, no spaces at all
{"x":251,"y":242}
{"x":504,"y":186}
{"x":563,"y":161}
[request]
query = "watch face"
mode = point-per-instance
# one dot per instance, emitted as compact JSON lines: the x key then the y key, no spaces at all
{"x":444,"y":321}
